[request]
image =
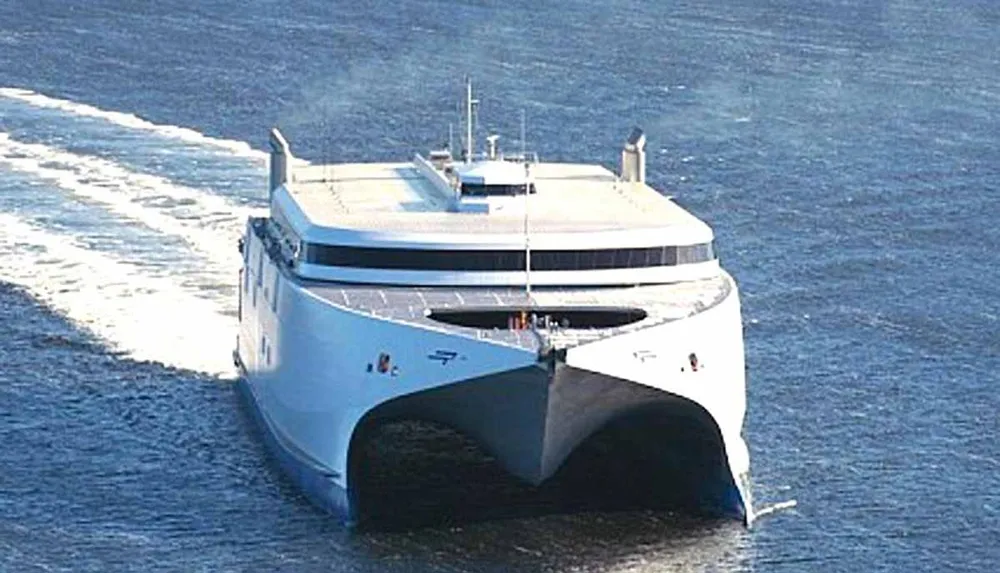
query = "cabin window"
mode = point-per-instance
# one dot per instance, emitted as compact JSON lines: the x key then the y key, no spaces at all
{"x":239,"y":296}
{"x":694,"y":253}
{"x":479,"y":260}
{"x":264,"y":284}
{"x":260,"y":267}
{"x":484,"y":190}
{"x":256,"y":280}
{"x":283,"y":230}
{"x":274,"y":296}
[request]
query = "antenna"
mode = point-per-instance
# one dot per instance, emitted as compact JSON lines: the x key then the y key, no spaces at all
{"x":451,"y":140}
{"x":527,"y":192}
{"x":469,"y":103}
{"x":524,"y":153}
{"x":527,"y":232}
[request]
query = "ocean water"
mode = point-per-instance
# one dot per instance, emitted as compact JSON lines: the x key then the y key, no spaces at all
{"x":847,"y":154}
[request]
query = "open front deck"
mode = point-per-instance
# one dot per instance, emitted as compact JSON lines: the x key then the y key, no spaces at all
{"x":413,"y":305}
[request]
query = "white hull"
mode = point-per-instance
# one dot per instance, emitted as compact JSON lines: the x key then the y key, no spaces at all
{"x":311,"y":370}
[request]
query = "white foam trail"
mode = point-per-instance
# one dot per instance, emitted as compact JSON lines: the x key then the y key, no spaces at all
{"x":768,"y":510}
{"x":147,"y":318}
{"x":210,"y":224}
{"x":132,"y":121}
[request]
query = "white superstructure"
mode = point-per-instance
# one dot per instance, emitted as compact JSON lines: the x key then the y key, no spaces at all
{"x":524,"y":303}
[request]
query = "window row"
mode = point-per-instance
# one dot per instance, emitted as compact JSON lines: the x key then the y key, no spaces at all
{"x":479,"y":260}
{"x":483,"y":190}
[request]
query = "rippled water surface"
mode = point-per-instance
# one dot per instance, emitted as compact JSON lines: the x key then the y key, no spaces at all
{"x":846,"y":153}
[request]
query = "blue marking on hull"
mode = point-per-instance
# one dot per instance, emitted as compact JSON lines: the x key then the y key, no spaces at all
{"x":318,"y":485}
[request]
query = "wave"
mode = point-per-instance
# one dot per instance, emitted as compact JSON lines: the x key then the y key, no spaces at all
{"x":146,"y":318}
{"x":239,"y":148}
{"x":774,"y":508}
{"x":209,"y":224}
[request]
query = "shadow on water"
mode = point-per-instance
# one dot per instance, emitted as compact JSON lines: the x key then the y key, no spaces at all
{"x":422,"y":474}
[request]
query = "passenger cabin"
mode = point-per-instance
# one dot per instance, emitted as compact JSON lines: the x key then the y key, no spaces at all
{"x":484,"y":221}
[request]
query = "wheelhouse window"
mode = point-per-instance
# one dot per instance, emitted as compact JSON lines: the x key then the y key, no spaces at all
{"x":481,"y":260}
{"x":484,"y":190}
{"x":695,"y":253}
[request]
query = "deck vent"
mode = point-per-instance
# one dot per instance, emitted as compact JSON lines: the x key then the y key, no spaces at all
{"x":634,"y":157}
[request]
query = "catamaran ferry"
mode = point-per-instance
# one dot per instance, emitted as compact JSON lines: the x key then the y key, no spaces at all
{"x":526,"y":304}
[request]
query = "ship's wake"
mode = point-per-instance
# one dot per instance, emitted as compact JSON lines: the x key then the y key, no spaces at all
{"x":774,"y":508}
{"x":125,"y":226}
{"x":130,"y":121}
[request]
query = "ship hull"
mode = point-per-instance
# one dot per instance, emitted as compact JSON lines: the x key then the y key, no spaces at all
{"x":587,"y":431}
{"x":665,"y":449}
{"x":320,"y":377}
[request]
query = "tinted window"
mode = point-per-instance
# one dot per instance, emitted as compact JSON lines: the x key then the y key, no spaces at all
{"x":481,"y":190}
{"x":694,"y":253}
{"x":461,"y":260}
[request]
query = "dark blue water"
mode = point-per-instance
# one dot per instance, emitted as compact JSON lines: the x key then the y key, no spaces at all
{"x":847,"y":154}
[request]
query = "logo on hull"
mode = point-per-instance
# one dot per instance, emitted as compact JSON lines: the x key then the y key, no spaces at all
{"x":644,"y":355}
{"x":443,"y":356}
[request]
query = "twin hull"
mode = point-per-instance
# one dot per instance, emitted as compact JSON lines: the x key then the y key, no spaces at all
{"x":316,"y":374}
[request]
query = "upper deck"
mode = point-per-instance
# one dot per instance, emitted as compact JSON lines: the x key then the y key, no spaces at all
{"x":404,"y":198}
{"x":483,"y":220}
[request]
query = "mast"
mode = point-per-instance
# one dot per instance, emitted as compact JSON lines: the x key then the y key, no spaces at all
{"x":524,"y":149}
{"x":468,"y":119}
{"x":527,"y":231}
{"x":527,"y":192}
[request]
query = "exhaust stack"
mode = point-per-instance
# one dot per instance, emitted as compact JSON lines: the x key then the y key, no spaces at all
{"x":280,"y":159}
{"x":492,"y":146}
{"x":634,"y":157}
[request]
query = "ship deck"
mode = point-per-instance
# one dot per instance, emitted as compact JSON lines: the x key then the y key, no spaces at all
{"x":409,"y":305}
{"x":398,"y":197}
